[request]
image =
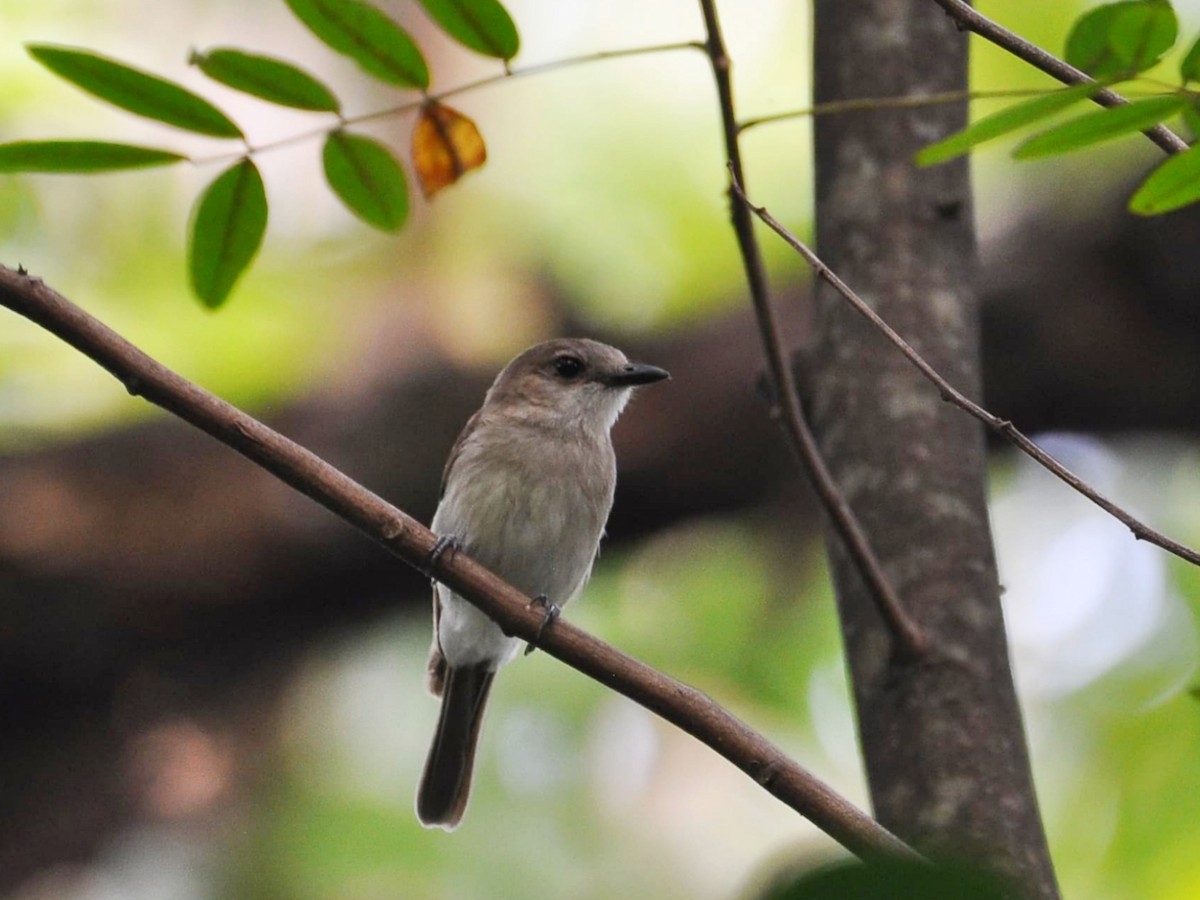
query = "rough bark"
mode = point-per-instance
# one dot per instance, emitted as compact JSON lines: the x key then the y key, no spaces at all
{"x":942,"y":739}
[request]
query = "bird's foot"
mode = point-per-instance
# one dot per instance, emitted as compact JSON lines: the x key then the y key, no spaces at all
{"x":553,"y":611}
{"x":441,"y":545}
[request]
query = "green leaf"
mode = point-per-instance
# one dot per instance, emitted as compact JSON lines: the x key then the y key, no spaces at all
{"x":367,"y":178}
{"x":1191,"y":118}
{"x":1102,"y":125}
{"x":1088,"y":47}
{"x":1142,"y":33}
{"x":1174,"y":184}
{"x":227,"y":230}
{"x":1003,"y":122}
{"x":139,"y":92}
{"x":80,"y":156}
{"x":1121,"y":38}
{"x":367,"y":36}
{"x":1190,"y":67}
{"x":267,"y":78}
{"x":483,"y":25}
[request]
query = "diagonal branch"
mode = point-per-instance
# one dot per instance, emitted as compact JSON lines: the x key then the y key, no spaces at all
{"x":970,"y":19}
{"x":683,"y":706}
{"x":1003,"y":427}
{"x":906,"y":631}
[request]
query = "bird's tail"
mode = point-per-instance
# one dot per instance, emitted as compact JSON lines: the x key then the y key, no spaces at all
{"x":446,"y":783}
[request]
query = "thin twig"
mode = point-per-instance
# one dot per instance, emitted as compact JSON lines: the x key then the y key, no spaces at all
{"x":906,"y":632}
{"x":970,"y":19}
{"x":403,"y":536}
{"x":1140,"y":530}
{"x":872,"y":104}
{"x":919,"y":101}
{"x":507,"y":75}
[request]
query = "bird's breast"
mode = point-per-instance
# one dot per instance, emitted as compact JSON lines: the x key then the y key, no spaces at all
{"x":531,"y":507}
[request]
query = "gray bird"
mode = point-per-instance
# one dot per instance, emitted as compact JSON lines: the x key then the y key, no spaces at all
{"x":526,"y":492}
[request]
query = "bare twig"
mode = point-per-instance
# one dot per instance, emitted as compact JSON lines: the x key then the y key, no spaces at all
{"x":683,"y":706}
{"x":906,"y":632}
{"x":873,"y":104}
{"x":949,"y":393}
{"x":967,"y":17}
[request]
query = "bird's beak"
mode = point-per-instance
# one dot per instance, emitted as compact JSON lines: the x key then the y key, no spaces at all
{"x":635,"y":374}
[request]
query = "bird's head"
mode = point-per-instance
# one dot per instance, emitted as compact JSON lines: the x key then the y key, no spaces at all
{"x":569,"y":381}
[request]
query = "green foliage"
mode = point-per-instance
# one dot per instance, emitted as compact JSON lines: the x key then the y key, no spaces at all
{"x":1191,"y":118}
{"x":1122,"y":39}
{"x":367,"y":178}
{"x":483,"y":25}
{"x":1004,"y":122}
{"x":136,"y":91}
{"x":1112,"y":43}
{"x":80,"y":156}
{"x":1102,"y":125}
{"x":380,"y":46}
{"x":231,"y":216}
{"x":266,"y":78}
{"x":1189,"y":68}
{"x":227,"y":230}
{"x":1173,"y":184}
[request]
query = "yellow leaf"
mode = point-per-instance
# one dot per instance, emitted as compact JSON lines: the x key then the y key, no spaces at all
{"x":445,"y":146}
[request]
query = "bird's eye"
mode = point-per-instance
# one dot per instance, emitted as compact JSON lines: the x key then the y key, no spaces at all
{"x":568,"y":366}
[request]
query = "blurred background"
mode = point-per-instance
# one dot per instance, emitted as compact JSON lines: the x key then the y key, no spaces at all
{"x":212,"y":688}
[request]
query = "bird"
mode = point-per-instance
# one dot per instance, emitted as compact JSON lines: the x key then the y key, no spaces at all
{"x":526,"y":492}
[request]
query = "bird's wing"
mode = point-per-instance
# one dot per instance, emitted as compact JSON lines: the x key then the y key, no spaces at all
{"x":463,"y":435}
{"x":436,"y":666}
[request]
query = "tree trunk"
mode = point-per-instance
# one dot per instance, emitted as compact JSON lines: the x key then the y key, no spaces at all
{"x":942,"y":739}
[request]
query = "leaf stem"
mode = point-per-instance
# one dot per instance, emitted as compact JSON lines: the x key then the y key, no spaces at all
{"x":506,"y":75}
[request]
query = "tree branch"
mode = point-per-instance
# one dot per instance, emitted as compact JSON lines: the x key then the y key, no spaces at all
{"x":403,"y":536}
{"x":906,"y":631}
{"x":972,"y":20}
{"x":1003,"y":427}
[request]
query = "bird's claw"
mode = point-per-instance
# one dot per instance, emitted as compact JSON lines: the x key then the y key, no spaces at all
{"x":440,"y":546}
{"x":553,"y":611}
